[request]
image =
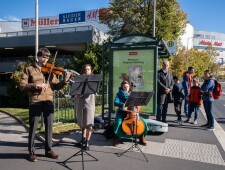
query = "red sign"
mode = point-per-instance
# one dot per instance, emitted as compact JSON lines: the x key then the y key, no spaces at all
{"x":91,"y":15}
{"x":215,"y":43}
{"x":133,"y":53}
{"x":42,"y":22}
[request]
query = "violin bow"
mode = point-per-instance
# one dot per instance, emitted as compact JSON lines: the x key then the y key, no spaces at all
{"x":50,"y":72}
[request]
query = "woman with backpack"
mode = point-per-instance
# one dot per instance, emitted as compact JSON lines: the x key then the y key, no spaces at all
{"x":207,"y":89}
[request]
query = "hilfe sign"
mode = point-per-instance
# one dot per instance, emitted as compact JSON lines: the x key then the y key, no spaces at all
{"x":29,"y":23}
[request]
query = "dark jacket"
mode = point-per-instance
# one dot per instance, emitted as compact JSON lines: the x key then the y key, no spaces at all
{"x":207,"y":89}
{"x":177,"y":93}
{"x":164,"y":81}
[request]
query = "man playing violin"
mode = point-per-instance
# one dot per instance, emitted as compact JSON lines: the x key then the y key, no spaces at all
{"x":40,"y":89}
{"x":121,"y":98}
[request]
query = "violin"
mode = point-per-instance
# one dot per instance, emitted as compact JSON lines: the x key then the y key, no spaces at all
{"x":56,"y":70}
{"x":132,"y":124}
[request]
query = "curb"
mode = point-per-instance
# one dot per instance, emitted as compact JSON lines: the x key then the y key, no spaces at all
{"x":218,"y":132}
{"x":38,"y":137}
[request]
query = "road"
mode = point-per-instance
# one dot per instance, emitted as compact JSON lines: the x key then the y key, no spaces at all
{"x":219,"y":109}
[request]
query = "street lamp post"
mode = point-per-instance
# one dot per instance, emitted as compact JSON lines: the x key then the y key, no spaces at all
{"x":154,"y":13}
{"x":36,"y":29}
{"x":187,"y":53}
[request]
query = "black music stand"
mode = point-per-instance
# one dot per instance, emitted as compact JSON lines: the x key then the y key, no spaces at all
{"x":136,"y":99}
{"x":83,"y":85}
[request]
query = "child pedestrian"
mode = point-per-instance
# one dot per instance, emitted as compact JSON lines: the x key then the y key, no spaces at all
{"x":194,"y":101}
{"x":178,"y":98}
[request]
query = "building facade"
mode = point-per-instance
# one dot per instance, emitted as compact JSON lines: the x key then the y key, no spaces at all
{"x":202,"y":39}
{"x":18,"y":42}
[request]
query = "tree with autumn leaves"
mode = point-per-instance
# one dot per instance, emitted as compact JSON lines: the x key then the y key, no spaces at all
{"x":136,"y":16}
{"x":200,"y":60}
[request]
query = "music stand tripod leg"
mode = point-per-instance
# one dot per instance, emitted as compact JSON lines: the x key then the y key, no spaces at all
{"x":81,"y":152}
{"x":120,"y":154}
{"x":135,"y":145}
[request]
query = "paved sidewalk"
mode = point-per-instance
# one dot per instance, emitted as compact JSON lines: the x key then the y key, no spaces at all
{"x":182,"y":147}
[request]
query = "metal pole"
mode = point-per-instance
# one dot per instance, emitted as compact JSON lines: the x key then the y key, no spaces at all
{"x":36,"y":29}
{"x":154,"y":13}
{"x":36,"y":46}
{"x":187,"y":54}
{"x":107,"y":92}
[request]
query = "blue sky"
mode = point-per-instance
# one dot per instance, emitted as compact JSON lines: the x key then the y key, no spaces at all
{"x":204,"y":15}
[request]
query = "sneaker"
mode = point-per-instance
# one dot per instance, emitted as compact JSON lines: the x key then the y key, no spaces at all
{"x":180,"y":122}
{"x":195,"y":122}
{"x":52,"y":155}
{"x":187,"y":121}
{"x":210,"y":129}
{"x":205,"y":125}
{"x":32,"y":157}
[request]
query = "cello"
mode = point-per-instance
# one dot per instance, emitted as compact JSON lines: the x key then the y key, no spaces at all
{"x":133,"y":124}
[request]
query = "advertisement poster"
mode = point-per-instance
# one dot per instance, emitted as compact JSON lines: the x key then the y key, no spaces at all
{"x":136,"y":67}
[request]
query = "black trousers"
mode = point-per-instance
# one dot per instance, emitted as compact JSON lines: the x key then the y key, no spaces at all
{"x":35,"y":110}
{"x":177,"y":108}
{"x":162,"y":111}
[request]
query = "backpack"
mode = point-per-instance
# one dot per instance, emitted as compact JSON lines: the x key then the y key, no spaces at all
{"x":217,"y":91}
{"x":109,"y":132}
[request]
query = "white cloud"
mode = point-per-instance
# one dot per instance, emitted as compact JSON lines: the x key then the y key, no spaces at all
{"x":10,"y":18}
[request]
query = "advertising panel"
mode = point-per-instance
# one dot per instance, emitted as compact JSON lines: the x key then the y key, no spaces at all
{"x":72,"y":17}
{"x":66,"y":18}
{"x":81,"y":16}
{"x":137,"y":67}
{"x":29,"y":23}
{"x":92,"y":15}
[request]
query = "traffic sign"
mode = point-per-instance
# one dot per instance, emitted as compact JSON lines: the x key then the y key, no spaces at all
{"x":171,"y":45}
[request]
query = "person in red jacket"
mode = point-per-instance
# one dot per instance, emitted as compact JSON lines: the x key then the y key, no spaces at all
{"x":194,"y":101}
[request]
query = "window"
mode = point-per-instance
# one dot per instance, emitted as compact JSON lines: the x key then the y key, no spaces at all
{"x":207,"y":36}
